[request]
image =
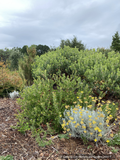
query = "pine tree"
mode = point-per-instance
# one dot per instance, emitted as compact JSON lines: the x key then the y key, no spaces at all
{"x":115,"y":42}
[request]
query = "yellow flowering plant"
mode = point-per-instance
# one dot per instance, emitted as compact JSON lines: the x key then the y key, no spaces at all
{"x":85,"y":123}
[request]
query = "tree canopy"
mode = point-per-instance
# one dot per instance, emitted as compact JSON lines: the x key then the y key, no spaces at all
{"x":73,"y":43}
{"x":115,"y":42}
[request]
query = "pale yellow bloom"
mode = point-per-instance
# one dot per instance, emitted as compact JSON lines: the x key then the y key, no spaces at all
{"x":76,"y":109}
{"x":93,"y":122}
{"x":89,"y":116}
{"x":74,"y":102}
{"x":86,"y":102}
{"x":71,"y":118}
{"x":99,"y":104}
{"x":101,"y":115}
{"x":107,"y":141}
{"x":100,"y":135}
{"x":108,"y":101}
{"x":95,"y":128}
{"x":74,"y":121}
{"x":67,"y":106}
{"x":111,"y":135}
{"x":95,"y":140}
{"x":74,"y":112}
{"x":80,"y":107}
{"x":99,"y":130}
{"x":100,"y":109}
{"x":63,"y":125}
{"x":83,"y":127}
{"x":82,"y":122}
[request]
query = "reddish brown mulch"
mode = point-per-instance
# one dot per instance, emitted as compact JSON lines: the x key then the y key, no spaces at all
{"x":24,"y":147}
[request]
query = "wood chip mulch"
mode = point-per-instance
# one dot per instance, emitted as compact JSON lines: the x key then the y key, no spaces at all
{"x":24,"y":147}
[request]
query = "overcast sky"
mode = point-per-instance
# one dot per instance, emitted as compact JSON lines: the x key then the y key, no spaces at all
{"x":47,"y":22}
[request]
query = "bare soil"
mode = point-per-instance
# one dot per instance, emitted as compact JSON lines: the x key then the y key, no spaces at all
{"x":24,"y":147}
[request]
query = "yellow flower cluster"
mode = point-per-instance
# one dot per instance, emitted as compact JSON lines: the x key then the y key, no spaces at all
{"x":93,"y":123}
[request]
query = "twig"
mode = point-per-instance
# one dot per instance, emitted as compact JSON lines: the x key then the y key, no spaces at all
{"x":19,"y":143}
{"x":50,"y":155}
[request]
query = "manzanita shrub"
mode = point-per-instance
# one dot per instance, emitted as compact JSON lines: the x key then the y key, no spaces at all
{"x":9,"y":81}
{"x":42,"y":104}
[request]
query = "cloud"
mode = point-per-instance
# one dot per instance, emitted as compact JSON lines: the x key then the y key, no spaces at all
{"x":47,"y":22}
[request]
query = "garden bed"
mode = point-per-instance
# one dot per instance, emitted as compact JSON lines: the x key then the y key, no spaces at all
{"x":25,"y":147}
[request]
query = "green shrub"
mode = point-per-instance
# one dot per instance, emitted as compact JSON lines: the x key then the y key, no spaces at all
{"x":52,"y":62}
{"x":9,"y":81}
{"x":8,"y":157}
{"x":42,"y":104}
{"x":105,"y":75}
{"x":25,"y":65}
{"x":14,"y":57}
{"x":100,"y":72}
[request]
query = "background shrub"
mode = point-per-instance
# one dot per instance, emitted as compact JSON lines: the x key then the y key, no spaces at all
{"x":13,"y":59}
{"x":25,"y":69}
{"x":9,"y":81}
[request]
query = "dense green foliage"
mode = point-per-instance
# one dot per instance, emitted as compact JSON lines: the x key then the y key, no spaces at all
{"x":4,"y":54}
{"x":8,"y":157}
{"x":104,"y":51}
{"x":52,"y":62}
{"x":73,"y":43}
{"x":25,"y":65}
{"x":41,"y":49}
{"x":13,"y":59}
{"x":9,"y":81}
{"x":116,"y":42}
{"x":98,"y":70}
{"x":41,"y":103}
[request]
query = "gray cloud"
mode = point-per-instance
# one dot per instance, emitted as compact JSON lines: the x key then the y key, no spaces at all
{"x":47,"y":22}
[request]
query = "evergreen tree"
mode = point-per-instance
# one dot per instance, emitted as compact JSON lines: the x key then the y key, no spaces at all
{"x":74,"y":43}
{"x":25,"y":69}
{"x":115,"y":42}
